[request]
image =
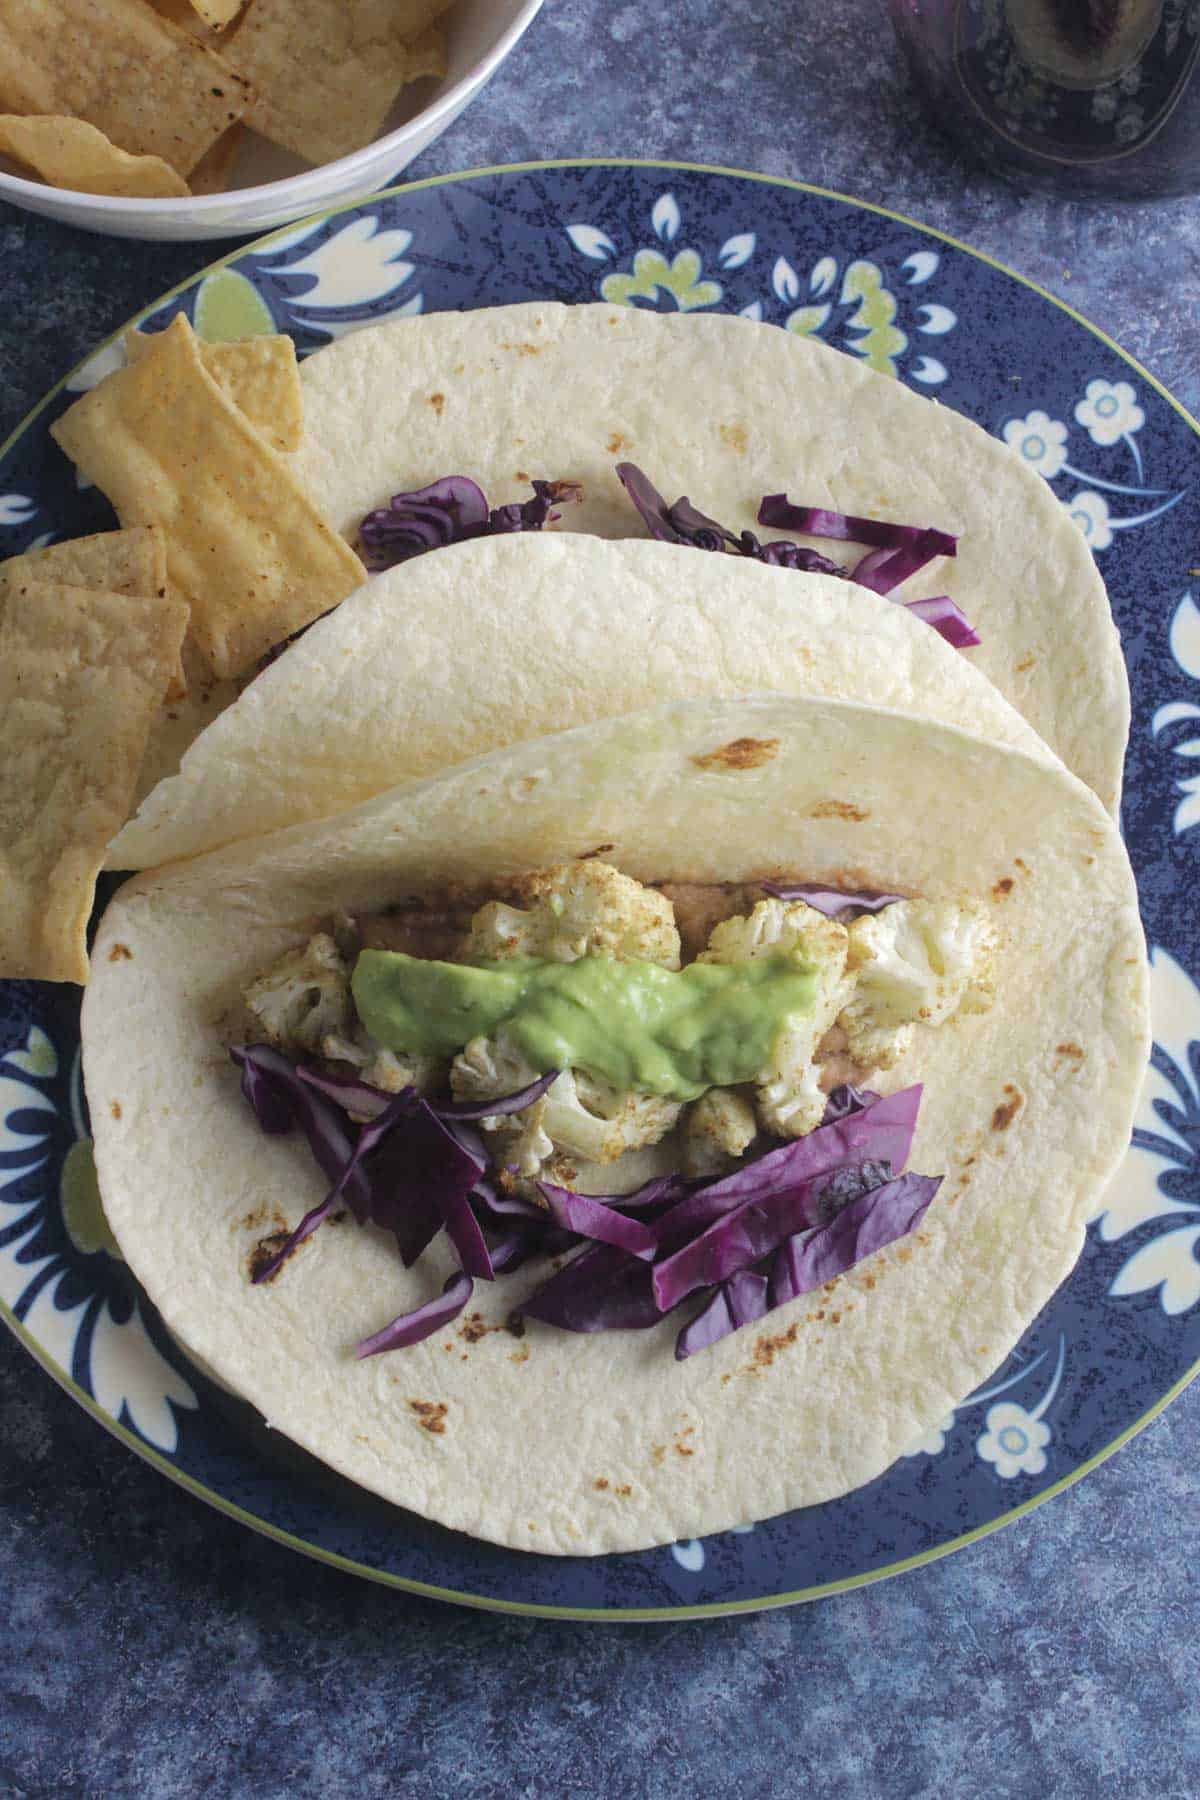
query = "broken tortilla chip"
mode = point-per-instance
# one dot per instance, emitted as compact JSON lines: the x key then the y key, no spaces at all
{"x":325,"y":72}
{"x":211,"y":174}
{"x":118,"y":562}
{"x":427,"y":56}
{"x":122,"y":562}
{"x":216,"y":14}
{"x":261,"y":377}
{"x":246,"y":548}
{"x":82,"y":676}
{"x":70,"y":153}
{"x":151,"y":88}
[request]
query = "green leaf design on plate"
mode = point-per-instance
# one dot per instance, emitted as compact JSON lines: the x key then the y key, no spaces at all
{"x":883,"y":341}
{"x":82,"y":1209}
{"x":653,"y":274}
{"x":229,"y":306}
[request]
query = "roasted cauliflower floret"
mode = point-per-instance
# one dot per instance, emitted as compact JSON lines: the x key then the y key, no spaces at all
{"x":383,"y":1068}
{"x":789,"y":1097}
{"x":304,"y":997}
{"x":719,"y":1127}
{"x":586,"y":1118}
{"x":918,"y":962}
{"x":579,"y":909}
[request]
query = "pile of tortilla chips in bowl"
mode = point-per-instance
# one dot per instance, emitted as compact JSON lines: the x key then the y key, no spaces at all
{"x":630,"y":965}
{"x":198,"y":118}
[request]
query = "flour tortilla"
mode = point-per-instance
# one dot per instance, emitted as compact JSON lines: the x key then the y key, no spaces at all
{"x":485,"y":643}
{"x":577,"y":1445}
{"x":725,"y":411}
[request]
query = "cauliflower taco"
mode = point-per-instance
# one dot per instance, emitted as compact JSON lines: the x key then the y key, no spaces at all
{"x":631,"y":1133}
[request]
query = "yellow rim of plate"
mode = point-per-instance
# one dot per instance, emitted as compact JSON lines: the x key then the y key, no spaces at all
{"x":484,"y":1603}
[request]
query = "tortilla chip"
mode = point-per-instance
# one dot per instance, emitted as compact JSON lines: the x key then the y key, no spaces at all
{"x":211,"y":174}
{"x":216,"y":14}
{"x":122,"y":562}
{"x":427,"y":56}
{"x":82,"y":676}
{"x":152,"y":89}
{"x":327,"y":71}
{"x":119,"y":562}
{"x":246,"y":548}
{"x":69,"y":153}
{"x":259,"y":374}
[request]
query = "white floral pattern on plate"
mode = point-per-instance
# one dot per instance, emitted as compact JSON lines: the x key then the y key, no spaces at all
{"x":1111,"y":414}
{"x":122,"y":1367}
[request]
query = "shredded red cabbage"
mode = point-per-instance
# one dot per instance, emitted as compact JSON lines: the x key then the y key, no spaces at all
{"x":743,"y":1237}
{"x":833,"y":902}
{"x":875,"y":1217}
{"x":779,"y":512}
{"x":423,"y":1321}
{"x":946,"y":619}
{"x":683,"y":523}
{"x":450,"y":511}
{"x":742,"y":1300}
{"x":591,"y":1217}
{"x":416,"y":1168}
{"x":900,"y":550}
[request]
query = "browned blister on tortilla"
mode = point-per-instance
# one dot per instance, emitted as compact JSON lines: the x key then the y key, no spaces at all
{"x":151,"y":88}
{"x":246,"y":548}
{"x":82,"y":676}
{"x":326,"y":72}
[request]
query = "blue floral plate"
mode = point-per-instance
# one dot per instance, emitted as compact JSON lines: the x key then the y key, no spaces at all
{"x":1123,"y":1335}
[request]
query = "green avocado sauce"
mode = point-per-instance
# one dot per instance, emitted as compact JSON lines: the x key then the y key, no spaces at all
{"x":634,"y":1024}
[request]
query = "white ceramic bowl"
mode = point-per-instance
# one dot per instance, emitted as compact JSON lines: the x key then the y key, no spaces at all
{"x":271,"y":186}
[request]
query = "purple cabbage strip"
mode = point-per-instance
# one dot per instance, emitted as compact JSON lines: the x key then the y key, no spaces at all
{"x":423,"y":1321}
{"x":354,"y":1096}
{"x":511,"y":1250}
{"x":592,"y":1218}
{"x":452,"y":511}
{"x":843,"y":1100}
{"x":881,"y":1132}
{"x":602,"y":1289}
{"x":742,"y":1300}
{"x":877,"y":1217}
{"x":744,"y":1237}
{"x":835,"y":903}
{"x":497,"y":1108}
{"x":271,"y":1085}
{"x":445,"y":512}
{"x":532,"y":515}
{"x":779,"y":512}
{"x":943,"y":615}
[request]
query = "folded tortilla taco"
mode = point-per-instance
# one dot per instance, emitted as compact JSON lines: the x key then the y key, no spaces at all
{"x":484,"y":643}
{"x":642,"y":1130}
{"x":727,"y":411}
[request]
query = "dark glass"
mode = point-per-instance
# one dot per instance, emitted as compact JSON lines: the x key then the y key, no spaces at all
{"x":1084,"y":96}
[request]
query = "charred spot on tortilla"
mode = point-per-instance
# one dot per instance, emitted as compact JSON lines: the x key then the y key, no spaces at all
{"x":438,"y":403}
{"x":1008,"y":1109}
{"x":1002,"y":888}
{"x":736,"y":438}
{"x":836,"y":809}
{"x":120,"y":953}
{"x":739,"y":753}
{"x":430,"y":1415}
{"x":264,"y":1253}
{"x":114,"y":1107}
